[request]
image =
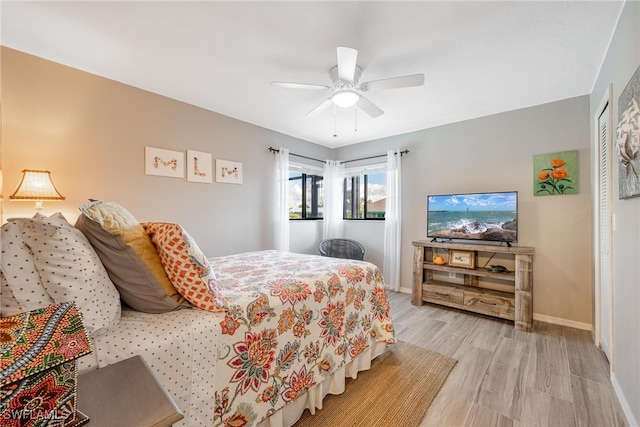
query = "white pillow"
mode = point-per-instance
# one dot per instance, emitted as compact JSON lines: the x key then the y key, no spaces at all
{"x":70,"y":270}
{"x":20,"y":286}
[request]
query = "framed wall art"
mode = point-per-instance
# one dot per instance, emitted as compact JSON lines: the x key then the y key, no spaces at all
{"x":199,"y":167}
{"x":161,"y":162}
{"x":628,"y":139}
{"x":461,"y":258}
{"x":555,"y":173}
{"x":228,"y":172}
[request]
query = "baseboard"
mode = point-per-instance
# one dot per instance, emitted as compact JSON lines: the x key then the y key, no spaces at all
{"x":623,"y":402}
{"x":406,"y":290}
{"x":562,"y":322}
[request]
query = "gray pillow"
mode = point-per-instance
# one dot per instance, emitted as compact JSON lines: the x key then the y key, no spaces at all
{"x":129,"y":256}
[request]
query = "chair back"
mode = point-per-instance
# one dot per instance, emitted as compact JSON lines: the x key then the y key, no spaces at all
{"x":341,"y":248}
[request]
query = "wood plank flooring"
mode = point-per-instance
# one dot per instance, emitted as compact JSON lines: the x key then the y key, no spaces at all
{"x":554,"y":376}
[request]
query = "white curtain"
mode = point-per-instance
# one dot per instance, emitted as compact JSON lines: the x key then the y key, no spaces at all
{"x":281,"y":213}
{"x":392,"y":223}
{"x":332,"y":185}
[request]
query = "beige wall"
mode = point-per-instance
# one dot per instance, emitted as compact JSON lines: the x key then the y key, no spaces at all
{"x":91,"y":133}
{"x":495,"y":153}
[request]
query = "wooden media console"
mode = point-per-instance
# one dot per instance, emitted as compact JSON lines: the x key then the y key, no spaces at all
{"x":507,"y":294}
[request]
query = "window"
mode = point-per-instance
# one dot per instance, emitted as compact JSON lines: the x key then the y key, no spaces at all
{"x":365,"y":196}
{"x":360,"y":185}
{"x":305,"y":196}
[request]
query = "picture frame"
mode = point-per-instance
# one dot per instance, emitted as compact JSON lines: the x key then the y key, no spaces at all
{"x":199,"y":167}
{"x":627,"y":139}
{"x":555,"y":173}
{"x":161,"y":162}
{"x":462,"y":258}
{"x":228,"y":172}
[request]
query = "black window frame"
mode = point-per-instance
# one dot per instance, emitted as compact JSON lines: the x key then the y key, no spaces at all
{"x":316,"y":184}
{"x":356,"y":190}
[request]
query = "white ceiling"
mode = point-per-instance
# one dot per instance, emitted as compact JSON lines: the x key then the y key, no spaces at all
{"x":478,"y":57}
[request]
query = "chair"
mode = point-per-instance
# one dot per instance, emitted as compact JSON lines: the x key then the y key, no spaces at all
{"x":341,"y":248}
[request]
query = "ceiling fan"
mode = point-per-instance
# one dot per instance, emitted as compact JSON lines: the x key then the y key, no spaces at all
{"x":346,"y":89}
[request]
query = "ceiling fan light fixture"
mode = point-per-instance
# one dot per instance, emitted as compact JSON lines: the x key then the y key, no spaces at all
{"x":345,"y":98}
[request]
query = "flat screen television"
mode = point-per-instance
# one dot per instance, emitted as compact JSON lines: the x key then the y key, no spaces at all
{"x":473,"y":216}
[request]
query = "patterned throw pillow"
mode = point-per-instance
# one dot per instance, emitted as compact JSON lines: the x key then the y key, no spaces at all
{"x":71,"y":270}
{"x":129,"y":257}
{"x":20,"y":287}
{"x":185,"y":264}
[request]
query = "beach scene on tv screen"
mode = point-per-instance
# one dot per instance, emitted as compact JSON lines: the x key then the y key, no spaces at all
{"x":482,"y":216}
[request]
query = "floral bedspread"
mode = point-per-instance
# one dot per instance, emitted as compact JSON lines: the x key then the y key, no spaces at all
{"x":292,"y":321}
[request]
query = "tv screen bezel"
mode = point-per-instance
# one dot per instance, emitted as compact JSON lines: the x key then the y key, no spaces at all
{"x":517,"y":213}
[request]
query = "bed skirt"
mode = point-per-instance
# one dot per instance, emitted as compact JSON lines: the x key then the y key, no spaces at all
{"x":334,"y":384}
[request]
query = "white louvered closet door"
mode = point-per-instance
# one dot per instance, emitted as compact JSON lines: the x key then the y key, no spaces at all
{"x":604,"y":232}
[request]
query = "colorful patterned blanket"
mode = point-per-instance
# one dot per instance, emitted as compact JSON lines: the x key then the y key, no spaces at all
{"x":38,"y":352}
{"x":292,"y":321}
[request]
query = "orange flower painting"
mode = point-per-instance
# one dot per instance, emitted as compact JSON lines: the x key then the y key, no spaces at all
{"x":555,"y":173}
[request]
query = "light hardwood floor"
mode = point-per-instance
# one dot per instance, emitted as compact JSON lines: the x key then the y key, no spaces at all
{"x":554,"y":376}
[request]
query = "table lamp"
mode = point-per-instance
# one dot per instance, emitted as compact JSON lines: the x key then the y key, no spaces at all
{"x":36,"y":185}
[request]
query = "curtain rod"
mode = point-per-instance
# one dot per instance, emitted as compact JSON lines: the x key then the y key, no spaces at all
{"x":275,"y":150}
{"x":374,"y":157}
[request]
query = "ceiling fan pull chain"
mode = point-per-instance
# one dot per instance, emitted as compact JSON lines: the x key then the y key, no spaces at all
{"x":335,"y":121}
{"x":355,"y":120}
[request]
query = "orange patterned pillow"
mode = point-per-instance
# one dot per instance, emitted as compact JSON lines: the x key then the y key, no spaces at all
{"x":188,"y":269}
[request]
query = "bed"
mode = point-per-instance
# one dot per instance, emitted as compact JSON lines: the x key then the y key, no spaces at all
{"x":276,"y":332}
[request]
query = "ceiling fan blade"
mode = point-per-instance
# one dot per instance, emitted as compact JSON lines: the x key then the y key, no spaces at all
{"x":290,"y":85}
{"x":347,"y":63}
{"x":394,"y":83}
{"x":320,"y":108}
{"x":368,"y":107}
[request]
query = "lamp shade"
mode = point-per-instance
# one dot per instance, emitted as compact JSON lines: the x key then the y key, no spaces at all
{"x":36,"y":185}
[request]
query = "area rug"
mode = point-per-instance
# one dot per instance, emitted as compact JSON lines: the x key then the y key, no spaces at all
{"x":396,"y":391}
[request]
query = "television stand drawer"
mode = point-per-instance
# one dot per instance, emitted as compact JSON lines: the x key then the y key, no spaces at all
{"x":492,"y":303}
{"x":443,"y":293}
